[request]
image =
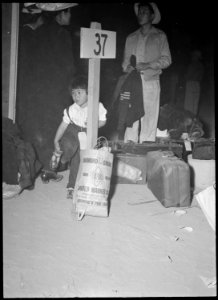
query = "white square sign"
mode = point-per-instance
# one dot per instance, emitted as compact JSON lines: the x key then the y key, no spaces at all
{"x":96,"y":43}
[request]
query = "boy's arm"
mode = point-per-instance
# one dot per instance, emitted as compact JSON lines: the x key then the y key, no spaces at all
{"x":102,"y":119}
{"x":59,"y":133}
{"x":101,"y":123}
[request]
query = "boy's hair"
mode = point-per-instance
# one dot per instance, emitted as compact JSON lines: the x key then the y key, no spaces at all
{"x":145,"y":3}
{"x":79,"y":82}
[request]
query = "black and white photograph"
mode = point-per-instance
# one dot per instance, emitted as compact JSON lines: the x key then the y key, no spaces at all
{"x":108,"y":149}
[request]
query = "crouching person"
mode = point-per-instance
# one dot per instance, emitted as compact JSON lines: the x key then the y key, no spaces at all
{"x":71,"y":136}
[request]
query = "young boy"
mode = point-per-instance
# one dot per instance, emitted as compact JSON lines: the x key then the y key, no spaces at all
{"x":71,"y":134}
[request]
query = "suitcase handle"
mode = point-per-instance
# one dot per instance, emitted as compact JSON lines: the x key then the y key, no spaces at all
{"x":170,"y":155}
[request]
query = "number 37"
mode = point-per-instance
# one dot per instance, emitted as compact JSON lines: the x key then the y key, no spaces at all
{"x":100,"y":43}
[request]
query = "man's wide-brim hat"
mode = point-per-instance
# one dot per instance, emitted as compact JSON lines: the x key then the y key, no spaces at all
{"x":157,"y":16}
{"x":39,"y":7}
{"x":55,"y":6}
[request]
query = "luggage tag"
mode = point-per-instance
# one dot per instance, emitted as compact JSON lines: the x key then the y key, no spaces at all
{"x":188,"y":146}
{"x":187,"y":142}
{"x":82,"y":140}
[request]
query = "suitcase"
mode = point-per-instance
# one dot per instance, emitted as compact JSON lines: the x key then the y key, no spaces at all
{"x":126,"y":161}
{"x":168,"y":177}
{"x":144,"y":148}
{"x":204,"y":149}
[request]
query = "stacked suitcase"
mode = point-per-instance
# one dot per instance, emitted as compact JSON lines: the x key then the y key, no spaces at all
{"x":204,"y":149}
{"x":163,"y":169}
{"x":134,"y":155}
{"x":177,"y":147}
{"x":168,"y":177}
{"x":135,"y":161}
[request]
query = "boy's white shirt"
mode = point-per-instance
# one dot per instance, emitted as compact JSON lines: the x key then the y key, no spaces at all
{"x":79,"y":116}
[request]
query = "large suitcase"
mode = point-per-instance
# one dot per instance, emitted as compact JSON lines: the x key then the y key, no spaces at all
{"x":168,"y":177}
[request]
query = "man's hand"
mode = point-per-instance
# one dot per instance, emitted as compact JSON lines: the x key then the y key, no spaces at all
{"x":129,"y":69}
{"x":57,"y":146}
{"x":142,"y":66}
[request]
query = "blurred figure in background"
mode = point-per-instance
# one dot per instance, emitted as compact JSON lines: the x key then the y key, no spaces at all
{"x":193,"y":78}
{"x":45,"y":66}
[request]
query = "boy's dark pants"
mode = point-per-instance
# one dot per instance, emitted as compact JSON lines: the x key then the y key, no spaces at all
{"x":70,"y":146}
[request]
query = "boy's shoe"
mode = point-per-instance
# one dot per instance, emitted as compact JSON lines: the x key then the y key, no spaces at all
{"x":47,"y":175}
{"x":70,"y":193}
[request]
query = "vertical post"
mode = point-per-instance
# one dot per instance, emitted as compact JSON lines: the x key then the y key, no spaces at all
{"x":13,"y":61}
{"x":93,"y":97}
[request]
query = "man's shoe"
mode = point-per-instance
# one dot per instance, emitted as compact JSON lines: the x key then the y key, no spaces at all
{"x":47,"y":175}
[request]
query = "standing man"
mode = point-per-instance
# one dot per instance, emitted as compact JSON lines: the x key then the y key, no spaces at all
{"x":150,"y":46}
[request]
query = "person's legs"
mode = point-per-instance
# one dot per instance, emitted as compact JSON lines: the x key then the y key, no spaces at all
{"x":74,"y":167}
{"x":188,"y":96}
{"x":151,"y":99}
{"x":70,"y":146}
{"x":192,"y":95}
{"x":196,"y":97}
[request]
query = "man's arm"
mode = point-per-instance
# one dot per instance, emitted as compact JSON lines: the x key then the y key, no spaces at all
{"x":126,"y":65}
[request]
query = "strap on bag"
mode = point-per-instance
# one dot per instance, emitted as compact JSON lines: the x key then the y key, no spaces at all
{"x":71,"y":122}
{"x":79,"y":128}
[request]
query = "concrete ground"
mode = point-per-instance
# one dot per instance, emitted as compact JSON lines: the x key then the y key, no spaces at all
{"x":141,"y":249}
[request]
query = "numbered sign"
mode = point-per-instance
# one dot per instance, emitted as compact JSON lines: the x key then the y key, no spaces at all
{"x":97,"y":43}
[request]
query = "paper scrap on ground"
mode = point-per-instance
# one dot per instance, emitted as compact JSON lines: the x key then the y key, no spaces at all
{"x":179,"y":212}
{"x":209,"y":282}
{"x":189,"y":229}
